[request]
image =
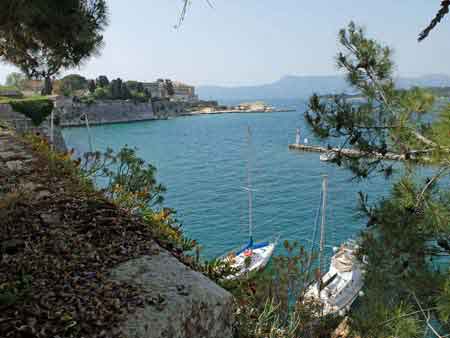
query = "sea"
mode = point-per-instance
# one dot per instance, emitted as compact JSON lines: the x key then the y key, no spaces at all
{"x":205,"y":160}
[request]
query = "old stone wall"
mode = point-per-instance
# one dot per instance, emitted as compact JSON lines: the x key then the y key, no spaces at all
{"x":102,"y":112}
{"x":166,"y":108}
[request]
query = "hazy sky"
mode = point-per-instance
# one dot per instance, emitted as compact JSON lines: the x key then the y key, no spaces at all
{"x":258,"y":41}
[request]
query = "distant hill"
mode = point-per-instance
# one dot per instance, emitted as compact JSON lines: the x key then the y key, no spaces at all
{"x":432,"y":80}
{"x":295,"y":87}
{"x":440,"y":91}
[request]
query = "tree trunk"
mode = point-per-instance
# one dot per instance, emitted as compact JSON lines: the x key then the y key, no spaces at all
{"x":48,"y":88}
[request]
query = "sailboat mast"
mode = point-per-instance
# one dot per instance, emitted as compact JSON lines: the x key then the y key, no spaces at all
{"x":322,"y":223}
{"x":249,"y":189}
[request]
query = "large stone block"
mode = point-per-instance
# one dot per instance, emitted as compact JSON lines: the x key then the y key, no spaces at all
{"x":180,"y":302}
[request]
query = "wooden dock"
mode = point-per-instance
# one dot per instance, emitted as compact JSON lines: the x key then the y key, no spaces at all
{"x":347,"y":152}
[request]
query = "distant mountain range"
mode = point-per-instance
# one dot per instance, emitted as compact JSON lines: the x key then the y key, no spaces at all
{"x":300,"y":87}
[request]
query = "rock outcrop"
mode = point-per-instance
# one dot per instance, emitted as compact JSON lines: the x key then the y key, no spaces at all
{"x":181,"y":303}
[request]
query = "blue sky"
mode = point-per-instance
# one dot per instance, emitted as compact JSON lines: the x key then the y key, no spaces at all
{"x":243,"y":42}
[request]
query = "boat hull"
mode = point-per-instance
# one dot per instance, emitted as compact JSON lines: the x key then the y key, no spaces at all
{"x":340,"y":286}
{"x":250,"y":259}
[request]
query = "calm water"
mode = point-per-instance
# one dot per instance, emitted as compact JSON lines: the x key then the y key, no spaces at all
{"x":202,"y":161}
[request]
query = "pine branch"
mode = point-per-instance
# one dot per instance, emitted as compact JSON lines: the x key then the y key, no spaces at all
{"x":406,"y":315}
{"x":435,"y":178}
{"x":422,"y":138}
{"x":445,"y":7}
{"x":427,"y":318}
{"x":186,"y":4}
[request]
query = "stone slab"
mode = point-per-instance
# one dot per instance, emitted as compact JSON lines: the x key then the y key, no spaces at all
{"x":181,"y":303}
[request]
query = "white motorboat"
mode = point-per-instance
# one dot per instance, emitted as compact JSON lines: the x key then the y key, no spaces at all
{"x":338,"y":288}
{"x":341,"y":284}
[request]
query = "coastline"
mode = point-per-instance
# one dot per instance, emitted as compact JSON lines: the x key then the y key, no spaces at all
{"x":80,"y":123}
{"x":235,"y":111}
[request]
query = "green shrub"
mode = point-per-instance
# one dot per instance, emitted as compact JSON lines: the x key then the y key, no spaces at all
{"x":4,"y":99}
{"x":139,"y":97}
{"x":37,"y":109}
{"x":90,"y":99}
{"x":9,"y":88}
{"x":101,"y":93}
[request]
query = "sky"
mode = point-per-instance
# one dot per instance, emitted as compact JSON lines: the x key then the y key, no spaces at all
{"x":247,"y":42}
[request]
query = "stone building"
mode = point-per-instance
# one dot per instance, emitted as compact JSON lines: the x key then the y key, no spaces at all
{"x":157,"y":89}
{"x":33,"y":87}
{"x":184,"y":92}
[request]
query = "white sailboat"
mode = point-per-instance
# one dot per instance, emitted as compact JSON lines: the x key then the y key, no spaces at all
{"x":253,"y":256}
{"x":339,"y":287}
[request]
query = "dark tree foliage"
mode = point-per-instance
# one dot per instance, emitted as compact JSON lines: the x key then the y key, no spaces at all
{"x":147,"y":93}
{"x":408,"y":231}
{"x":73,"y":82}
{"x":119,"y":90}
{"x":92,"y":86}
{"x":443,"y":11}
{"x":116,"y":88}
{"x":140,"y":87}
{"x":42,"y":37}
{"x":125,"y":92}
{"x":103,"y":81}
{"x":132,"y":85}
{"x":169,"y":87}
{"x":35,"y":109}
{"x":135,"y":86}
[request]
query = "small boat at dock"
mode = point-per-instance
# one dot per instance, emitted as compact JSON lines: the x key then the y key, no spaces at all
{"x":328,"y":156}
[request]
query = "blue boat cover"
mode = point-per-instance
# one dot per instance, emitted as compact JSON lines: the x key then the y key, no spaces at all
{"x":251,"y":245}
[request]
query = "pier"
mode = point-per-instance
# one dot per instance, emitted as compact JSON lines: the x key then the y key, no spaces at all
{"x":346,"y":152}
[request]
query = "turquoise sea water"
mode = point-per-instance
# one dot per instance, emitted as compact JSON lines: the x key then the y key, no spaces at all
{"x":202,"y":161}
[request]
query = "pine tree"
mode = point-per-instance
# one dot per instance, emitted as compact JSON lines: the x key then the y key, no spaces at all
{"x":92,"y":86}
{"x":410,"y":230}
{"x":103,"y":81}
